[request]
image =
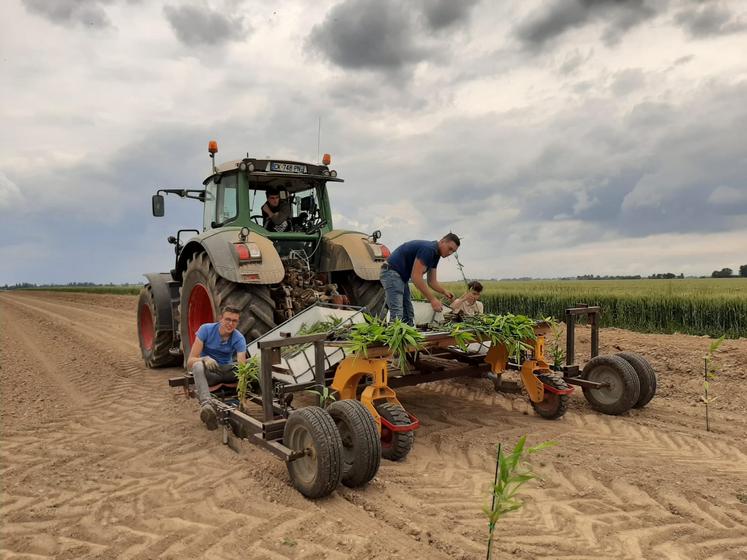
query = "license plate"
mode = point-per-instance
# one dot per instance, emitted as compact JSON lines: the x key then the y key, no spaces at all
{"x":287,"y":167}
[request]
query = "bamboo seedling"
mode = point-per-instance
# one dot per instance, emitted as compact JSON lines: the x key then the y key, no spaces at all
{"x":557,"y":353}
{"x":710,"y":373}
{"x":325,"y":395}
{"x":247,"y":374}
{"x":511,"y":473}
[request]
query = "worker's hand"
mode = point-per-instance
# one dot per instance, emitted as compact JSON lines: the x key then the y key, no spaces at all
{"x":436,"y":305}
{"x":449,"y":295}
{"x":469,"y":298}
{"x":210,"y":363}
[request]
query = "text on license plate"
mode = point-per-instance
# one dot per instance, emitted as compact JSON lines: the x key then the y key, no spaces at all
{"x":288,"y":167}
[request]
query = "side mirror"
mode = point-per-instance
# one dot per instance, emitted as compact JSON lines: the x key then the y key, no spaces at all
{"x":158,"y":205}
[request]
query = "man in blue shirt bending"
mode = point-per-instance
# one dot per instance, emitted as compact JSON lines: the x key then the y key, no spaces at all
{"x":211,"y":359}
{"x":412,"y":260}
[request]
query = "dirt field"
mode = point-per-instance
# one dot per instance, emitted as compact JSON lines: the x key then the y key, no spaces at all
{"x":100,"y":459}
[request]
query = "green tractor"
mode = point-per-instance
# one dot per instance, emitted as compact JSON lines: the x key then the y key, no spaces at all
{"x":239,"y":259}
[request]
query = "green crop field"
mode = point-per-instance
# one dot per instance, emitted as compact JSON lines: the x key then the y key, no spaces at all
{"x":707,"y":306}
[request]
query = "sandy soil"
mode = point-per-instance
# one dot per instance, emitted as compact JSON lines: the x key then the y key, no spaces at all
{"x":101,"y":459}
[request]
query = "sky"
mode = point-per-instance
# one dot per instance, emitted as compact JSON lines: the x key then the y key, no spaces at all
{"x":556,"y":138}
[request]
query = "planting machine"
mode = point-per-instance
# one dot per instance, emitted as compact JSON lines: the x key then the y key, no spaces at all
{"x":362,"y":420}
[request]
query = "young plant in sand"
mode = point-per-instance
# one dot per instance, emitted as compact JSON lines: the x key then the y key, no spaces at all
{"x":247,"y":374}
{"x":511,"y":473}
{"x":399,"y":337}
{"x":709,"y":373}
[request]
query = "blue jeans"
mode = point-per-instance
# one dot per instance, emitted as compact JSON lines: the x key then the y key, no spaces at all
{"x":397,"y":293}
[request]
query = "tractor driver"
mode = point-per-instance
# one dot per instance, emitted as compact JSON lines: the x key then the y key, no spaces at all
{"x":276,"y":214}
{"x":412,"y":260}
{"x":211,"y":359}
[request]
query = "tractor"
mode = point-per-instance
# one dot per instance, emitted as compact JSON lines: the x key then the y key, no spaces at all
{"x":235,"y":260}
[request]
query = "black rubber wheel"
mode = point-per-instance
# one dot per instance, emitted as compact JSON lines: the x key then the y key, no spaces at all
{"x":624,"y":388}
{"x":361,"y":446}
{"x":363,"y":293}
{"x":155,"y":342}
{"x":204,"y":293}
{"x":317,"y":473}
{"x":552,"y":405}
{"x":395,"y":445}
{"x":646,"y":377}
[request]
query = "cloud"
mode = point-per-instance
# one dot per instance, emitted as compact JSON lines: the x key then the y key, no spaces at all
{"x":560,"y":16}
{"x":200,"y":25}
{"x":445,"y":14}
{"x":10,"y":194}
{"x":369,"y":34}
{"x":387,"y":35}
{"x":87,"y":13}
{"x":710,"y":19}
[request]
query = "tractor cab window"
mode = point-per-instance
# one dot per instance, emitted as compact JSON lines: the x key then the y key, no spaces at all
{"x":302,"y":206}
{"x":221,"y":202}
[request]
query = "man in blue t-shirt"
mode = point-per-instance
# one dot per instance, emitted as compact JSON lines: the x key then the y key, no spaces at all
{"x":211,"y":359}
{"x":412,"y":260}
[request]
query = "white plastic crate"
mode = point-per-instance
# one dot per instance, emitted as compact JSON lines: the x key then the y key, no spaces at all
{"x":300,"y":361}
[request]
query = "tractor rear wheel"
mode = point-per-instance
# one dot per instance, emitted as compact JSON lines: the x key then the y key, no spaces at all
{"x":204,"y":293}
{"x":395,"y":445}
{"x":364,"y":293}
{"x":313,"y":431}
{"x":552,"y":405}
{"x":361,"y":445}
{"x":623,"y":388}
{"x":646,"y":377}
{"x":155,"y":342}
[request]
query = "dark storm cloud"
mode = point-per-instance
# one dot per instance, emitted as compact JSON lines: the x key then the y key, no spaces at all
{"x":81,"y":12}
{"x":444,"y":14}
{"x":709,"y":19}
{"x":368,"y":34}
{"x":560,"y":16}
{"x":386,"y":35}
{"x":196,"y":26}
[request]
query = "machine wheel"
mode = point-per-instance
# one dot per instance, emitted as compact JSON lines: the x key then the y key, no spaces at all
{"x":203,"y":293}
{"x":317,"y":473}
{"x":552,"y":405}
{"x":361,"y":446}
{"x":646,"y":377}
{"x":154,"y":342}
{"x":364,"y":293}
{"x":623,"y":391}
{"x":395,"y":445}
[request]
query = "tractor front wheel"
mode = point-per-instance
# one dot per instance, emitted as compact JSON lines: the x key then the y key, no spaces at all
{"x":364,"y":293}
{"x":155,"y":341}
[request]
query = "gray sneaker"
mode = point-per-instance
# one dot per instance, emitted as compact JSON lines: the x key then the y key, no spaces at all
{"x":208,"y":417}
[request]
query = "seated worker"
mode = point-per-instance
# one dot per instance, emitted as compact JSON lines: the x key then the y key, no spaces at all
{"x":276,"y":213}
{"x":412,"y":260}
{"x":211,"y":359}
{"x":469,"y":304}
